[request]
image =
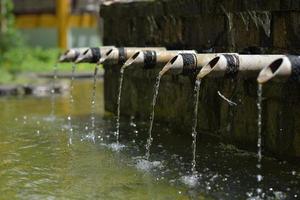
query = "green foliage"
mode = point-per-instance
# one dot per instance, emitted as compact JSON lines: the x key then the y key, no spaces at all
{"x":28,"y":59}
{"x":9,"y":36}
{"x":16,"y":57}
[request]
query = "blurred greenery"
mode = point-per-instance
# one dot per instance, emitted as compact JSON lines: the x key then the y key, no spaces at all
{"x":16,"y":57}
{"x":28,"y":59}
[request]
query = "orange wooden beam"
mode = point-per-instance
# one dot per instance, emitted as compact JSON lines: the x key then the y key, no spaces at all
{"x":48,"y":20}
{"x":34,"y":21}
{"x":62,"y":14}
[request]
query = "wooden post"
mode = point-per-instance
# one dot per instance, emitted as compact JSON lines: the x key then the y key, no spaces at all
{"x":62,"y":17}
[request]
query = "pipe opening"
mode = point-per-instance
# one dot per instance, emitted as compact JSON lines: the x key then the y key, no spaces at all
{"x":274,"y":66}
{"x":135,"y":55}
{"x":66,"y":52}
{"x":213,"y":62}
{"x":132,"y":59}
{"x":173,"y":59}
{"x":109,"y":52}
{"x":85,"y":52}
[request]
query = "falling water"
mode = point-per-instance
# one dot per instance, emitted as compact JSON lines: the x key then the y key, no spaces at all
{"x":194,"y":129}
{"x":52,"y":114}
{"x":192,"y":180}
{"x":71,"y":101}
{"x":259,"y":138}
{"x":119,"y":105}
{"x":38,"y":127}
{"x":93,"y":103}
{"x":150,"y":139}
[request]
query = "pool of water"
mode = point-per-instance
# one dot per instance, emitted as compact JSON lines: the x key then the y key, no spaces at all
{"x":37,"y":160}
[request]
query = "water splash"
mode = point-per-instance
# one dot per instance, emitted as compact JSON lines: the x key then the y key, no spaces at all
{"x":71,"y":104}
{"x":93,"y":104}
{"x":54,"y":80}
{"x":152,"y":115}
{"x":117,"y":133}
{"x":259,"y":177}
{"x":191,"y":181}
{"x":194,"y":129}
{"x":116,"y":146}
{"x":146,"y":165}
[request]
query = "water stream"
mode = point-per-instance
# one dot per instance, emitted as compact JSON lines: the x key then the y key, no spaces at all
{"x":116,"y":146}
{"x":71,"y":102}
{"x":259,"y":176}
{"x":195,"y":122}
{"x":192,"y":180}
{"x":152,"y":115}
{"x":93,"y":105}
{"x":54,"y":80}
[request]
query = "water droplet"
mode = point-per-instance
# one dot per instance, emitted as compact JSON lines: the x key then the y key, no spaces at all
{"x":259,"y":178}
{"x":258,"y":166}
{"x":259,"y":190}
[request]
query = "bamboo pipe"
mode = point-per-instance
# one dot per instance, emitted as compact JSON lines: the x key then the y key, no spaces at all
{"x":232,"y":65}
{"x":93,"y":55}
{"x":122,"y":54}
{"x":150,"y":58}
{"x":283,"y":68}
{"x":184,"y":63}
{"x":71,"y":54}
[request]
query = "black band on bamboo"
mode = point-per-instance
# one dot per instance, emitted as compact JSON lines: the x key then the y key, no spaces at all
{"x":122,"y":55}
{"x":233,"y":65}
{"x":295,"y":61}
{"x":189,"y":63}
{"x":149,"y":59}
{"x":96,"y":54}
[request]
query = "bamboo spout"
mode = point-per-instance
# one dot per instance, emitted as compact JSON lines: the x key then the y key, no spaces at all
{"x":122,"y":54}
{"x":150,"y":58}
{"x":284,"y":68}
{"x":232,"y":65}
{"x":93,"y":55}
{"x":71,"y":54}
{"x":184,"y":63}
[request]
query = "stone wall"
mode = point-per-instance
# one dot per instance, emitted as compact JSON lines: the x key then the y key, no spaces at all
{"x":245,"y":26}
